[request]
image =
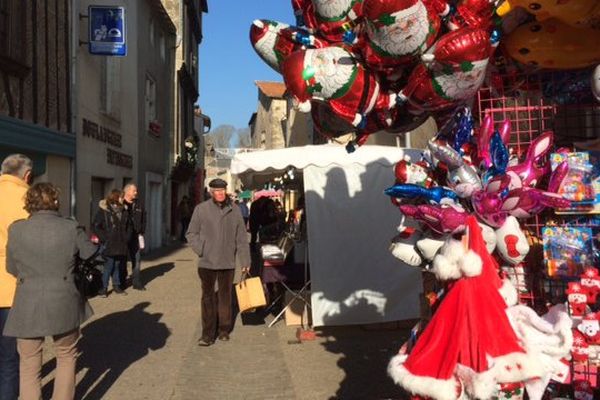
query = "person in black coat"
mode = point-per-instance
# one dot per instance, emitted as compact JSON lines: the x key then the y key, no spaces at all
{"x":110,"y":225}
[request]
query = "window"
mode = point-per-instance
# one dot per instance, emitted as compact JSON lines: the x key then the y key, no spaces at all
{"x":12,"y":46}
{"x":111,"y":87}
{"x":150,"y":100}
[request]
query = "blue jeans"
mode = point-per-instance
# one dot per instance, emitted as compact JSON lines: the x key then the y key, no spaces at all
{"x":9,"y":362}
{"x":112,"y":267}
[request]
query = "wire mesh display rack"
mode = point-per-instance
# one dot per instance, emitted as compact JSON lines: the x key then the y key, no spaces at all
{"x":560,"y":101}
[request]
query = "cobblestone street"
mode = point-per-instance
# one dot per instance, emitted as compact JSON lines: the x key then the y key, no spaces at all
{"x":143,"y":346}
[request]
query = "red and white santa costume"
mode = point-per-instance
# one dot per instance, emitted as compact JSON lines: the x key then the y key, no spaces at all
{"x":469,"y":342}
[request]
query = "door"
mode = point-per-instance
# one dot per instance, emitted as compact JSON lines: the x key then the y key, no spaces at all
{"x":154,"y":210}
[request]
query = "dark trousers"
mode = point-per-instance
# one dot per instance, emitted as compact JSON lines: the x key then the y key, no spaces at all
{"x":9,"y":362}
{"x":216,"y":307}
{"x":185,"y":223}
{"x":133,"y":254}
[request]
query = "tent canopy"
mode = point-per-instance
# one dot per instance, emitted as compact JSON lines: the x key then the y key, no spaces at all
{"x":354,"y":277}
{"x":258,"y":167}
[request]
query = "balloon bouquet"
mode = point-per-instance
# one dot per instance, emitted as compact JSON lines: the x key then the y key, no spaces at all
{"x":469,"y":185}
{"x":362,"y":66}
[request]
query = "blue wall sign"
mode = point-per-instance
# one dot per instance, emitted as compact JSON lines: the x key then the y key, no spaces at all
{"x":107,"y":34}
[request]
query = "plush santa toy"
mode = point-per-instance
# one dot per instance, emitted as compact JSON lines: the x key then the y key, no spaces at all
{"x":333,"y":20}
{"x":580,"y":350}
{"x":274,"y":41}
{"x":590,"y":327}
{"x":577,"y":299}
{"x":583,"y":390}
{"x":333,"y":76}
{"x":450,"y":73}
{"x":590,"y":282}
{"x":397,"y":33}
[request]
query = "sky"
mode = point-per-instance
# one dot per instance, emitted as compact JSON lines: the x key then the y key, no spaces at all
{"x":228,"y":63}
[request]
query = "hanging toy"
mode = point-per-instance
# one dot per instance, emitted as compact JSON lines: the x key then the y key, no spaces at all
{"x":410,"y":191}
{"x":439,"y":219}
{"x":333,"y":20}
{"x":462,"y":177}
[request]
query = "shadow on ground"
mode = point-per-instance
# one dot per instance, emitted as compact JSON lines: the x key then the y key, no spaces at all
{"x":148,"y":274}
{"x":365,"y":353}
{"x":110,"y":345}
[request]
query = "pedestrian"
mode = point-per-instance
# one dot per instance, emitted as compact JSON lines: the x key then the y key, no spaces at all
{"x":185,"y":209}
{"x":41,"y":254}
{"x":15,"y":176}
{"x":136,"y":226}
{"x":110,"y":225}
{"x":217,"y":235}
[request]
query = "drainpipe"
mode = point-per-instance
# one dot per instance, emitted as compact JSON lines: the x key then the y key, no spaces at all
{"x":73,"y":90}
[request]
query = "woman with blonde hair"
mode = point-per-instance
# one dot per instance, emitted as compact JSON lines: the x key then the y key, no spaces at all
{"x":42,"y":253}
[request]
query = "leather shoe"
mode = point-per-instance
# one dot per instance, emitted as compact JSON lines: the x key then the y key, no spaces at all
{"x":224,"y":337}
{"x":139,"y":287}
{"x":205,"y":342}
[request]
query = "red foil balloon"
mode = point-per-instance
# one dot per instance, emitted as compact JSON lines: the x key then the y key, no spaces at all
{"x":333,"y":76}
{"x":397,"y":32}
{"x":330,"y":19}
{"x":472,"y":14}
{"x":451,"y":72}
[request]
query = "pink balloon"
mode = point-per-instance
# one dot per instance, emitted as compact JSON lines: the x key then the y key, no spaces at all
{"x":504,"y":131}
{"x":437,"y":218}
{"x":530,"y":172}
{"x":483,"y":141}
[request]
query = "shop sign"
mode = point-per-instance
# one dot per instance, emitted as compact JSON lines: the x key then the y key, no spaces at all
{"x":101,"y":133}
{"x":154,"y":127}
{"x":119,"y":159}
{"x":107,"y":31}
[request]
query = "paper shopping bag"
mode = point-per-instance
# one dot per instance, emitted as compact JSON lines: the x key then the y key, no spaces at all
{"x":250,"y":294}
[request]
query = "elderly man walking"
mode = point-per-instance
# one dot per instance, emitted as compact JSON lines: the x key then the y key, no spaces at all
{"x":217,"y":234}
{"x":15,"y":175}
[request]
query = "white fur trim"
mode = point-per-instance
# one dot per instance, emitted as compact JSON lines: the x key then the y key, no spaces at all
{"x":427,"y":58}
{"x":304,"y":106}
{"x":357,"y":119}
{"x":437,"y":389}
{"x":514,"y":367}
{"x":444,"y":269}
{"x":258,"y":23}
{"x":509,"y":293}
{"x":471,"y":264}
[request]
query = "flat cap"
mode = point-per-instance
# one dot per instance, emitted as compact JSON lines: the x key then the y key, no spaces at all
{"x":217,"y":183}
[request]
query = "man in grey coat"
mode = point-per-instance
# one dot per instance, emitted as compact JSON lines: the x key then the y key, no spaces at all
{"x":217,"y":233}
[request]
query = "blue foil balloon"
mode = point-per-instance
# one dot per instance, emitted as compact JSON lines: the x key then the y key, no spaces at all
{"x":464,"y":129}
{"x":412,"y":191}
{"x":499,"y":154}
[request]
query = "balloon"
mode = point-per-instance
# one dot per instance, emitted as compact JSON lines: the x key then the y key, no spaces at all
{"x":397,"y":32}
{"x":488,"y":206}
{"x":472,"y":14}
{"x":533,"y":168}
{"x":483,"y":140}
{"x":577,"y":13}
{"x":413,"y":172}
{"x":527,"y":202}
{"x":333,"y":20}
{"x":596,"y":82}
{"x":332,"y":75}
{"x":553,"y":44}
{"x":274,"y":41}
{"x":450,"y":73}
{"x":499,"y":155}
{"x":411,"y":191}
{"x":504,"y":131}
{"x":462,"y":177}
{"x":557,"y":176}
{"x":439,"y":219}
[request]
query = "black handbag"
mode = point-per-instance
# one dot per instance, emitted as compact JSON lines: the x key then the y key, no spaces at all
{"x":88,"y":274}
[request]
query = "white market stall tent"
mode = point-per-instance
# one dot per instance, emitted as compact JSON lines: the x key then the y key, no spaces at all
{"x":354,"y":277}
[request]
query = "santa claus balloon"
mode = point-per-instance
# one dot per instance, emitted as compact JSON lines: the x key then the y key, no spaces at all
{"x":334,"y":76}
{"x":333,"y":20}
